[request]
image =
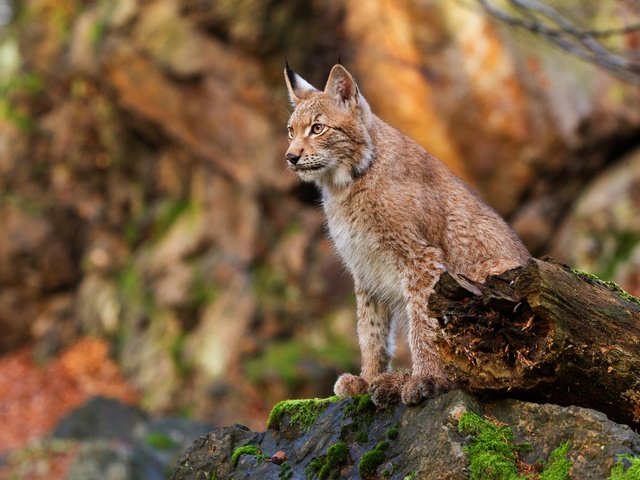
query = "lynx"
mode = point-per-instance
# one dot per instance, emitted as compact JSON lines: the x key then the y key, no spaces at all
{"x":398,"y":218}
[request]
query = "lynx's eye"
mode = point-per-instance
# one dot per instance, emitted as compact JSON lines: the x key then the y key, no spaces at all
{"x":290,"y":133}
{"x":317,"y":128}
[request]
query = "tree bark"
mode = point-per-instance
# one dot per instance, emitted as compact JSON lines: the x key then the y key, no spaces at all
{"x":543,"y":332}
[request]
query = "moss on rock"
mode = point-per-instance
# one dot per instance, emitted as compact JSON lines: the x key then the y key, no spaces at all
{"x":328,"y":466}
{"x":286,"y":472}
{"x":362,"y":405}
{"x":245,"y":450}
{"x":392,"y":432}
{"x":626,"y":468}
{"x":493,"y":453}
{"x":372,"y":459}
{"x":302,"y":413}
{"x":558,"y":465}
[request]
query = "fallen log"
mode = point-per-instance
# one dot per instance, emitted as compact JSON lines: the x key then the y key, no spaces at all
{"x":544,"y":333}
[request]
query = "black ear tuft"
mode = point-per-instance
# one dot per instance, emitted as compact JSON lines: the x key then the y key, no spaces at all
{"x":299,"y":88}
{"x":291,"y":75}
{"x":339,"y":59}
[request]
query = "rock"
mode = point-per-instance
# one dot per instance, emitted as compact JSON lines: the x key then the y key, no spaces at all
{"x":199,"y":461}
{"x":121,"y":442}
{"x":596,"y":442}
{"x":399,"y":442}
{"x":101,"y":417}
{"x":101,"y":459}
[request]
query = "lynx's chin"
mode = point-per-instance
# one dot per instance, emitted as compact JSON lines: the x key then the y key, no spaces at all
{"x":309,"y":174}
{"x":326,"y":175}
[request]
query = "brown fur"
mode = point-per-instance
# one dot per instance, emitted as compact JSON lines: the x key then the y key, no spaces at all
{"x":399,"y":218}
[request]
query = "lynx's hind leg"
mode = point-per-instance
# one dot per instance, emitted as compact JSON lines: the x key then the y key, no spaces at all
{"x":494,"y":266}
{"x":374,"y":331}
{"x":386,"y":388}
{"x":428,"y":378}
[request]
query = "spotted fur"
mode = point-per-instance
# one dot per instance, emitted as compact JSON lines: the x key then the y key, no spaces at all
{"x":399,"y":218}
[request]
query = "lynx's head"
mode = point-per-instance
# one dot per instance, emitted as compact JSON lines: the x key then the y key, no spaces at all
{"x":328,"y":130}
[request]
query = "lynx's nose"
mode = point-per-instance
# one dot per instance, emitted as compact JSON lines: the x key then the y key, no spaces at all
{"x":292,"y":158}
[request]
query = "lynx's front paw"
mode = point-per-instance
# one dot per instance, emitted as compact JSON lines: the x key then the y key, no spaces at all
{"x":417,"y":389}
{"x":349,"y":385}
{"x":386,"y":388}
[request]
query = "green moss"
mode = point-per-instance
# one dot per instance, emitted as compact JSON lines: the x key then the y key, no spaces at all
{"x":558,"y":465}
{"x":160,"y":441}
{"x":614,"y":287}
{"x":314,"y":467}
{"x":411,"y":476}
{"x":492,"y":452}
{"x":626,"y":468}
{"x":362,"y":437}
{"x":285,"y":472}
{"x":361,"y":405}
{"x":372,"y":459}
{"x":245,"y":450}
{"x":392,"y":432}
{"x":328,"y":466}
{"x":302,"y":413}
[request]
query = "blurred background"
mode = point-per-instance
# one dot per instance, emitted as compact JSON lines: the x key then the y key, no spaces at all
{"x":155,"y":249}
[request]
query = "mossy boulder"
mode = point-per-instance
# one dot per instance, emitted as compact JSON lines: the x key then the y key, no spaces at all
{"x":449,"y":437}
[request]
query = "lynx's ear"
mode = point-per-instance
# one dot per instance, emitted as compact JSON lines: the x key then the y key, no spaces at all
{"x":342,"y":86}
{"x":299,"y":88}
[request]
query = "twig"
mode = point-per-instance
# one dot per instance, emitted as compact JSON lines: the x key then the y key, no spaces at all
{"x":546,"y":21}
